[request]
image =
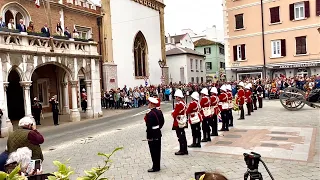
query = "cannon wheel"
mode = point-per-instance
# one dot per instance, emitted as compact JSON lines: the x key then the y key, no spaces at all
{"x":292,"y":99}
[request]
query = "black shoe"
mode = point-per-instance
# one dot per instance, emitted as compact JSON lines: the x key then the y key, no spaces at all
{"x":241,"y":119}
{"x":153,"y":170}
{"x":230,"y":125}
{"x":56,"y":124}
{"x":204,"y":140}
{"x":198,"y":145}
{"x":209,"y":139}
{"x":186,"y":153}
{"x":248,"y":114}
{"x":179,"y":153}
{"x":222,"y":130}
{"x":38,"y":124}
{"x":192,"y":146}
{"x":255,"y":109}
{"x":227,"y":130}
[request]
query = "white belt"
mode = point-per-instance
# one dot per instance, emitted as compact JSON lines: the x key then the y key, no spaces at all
{"x":156,"y":127}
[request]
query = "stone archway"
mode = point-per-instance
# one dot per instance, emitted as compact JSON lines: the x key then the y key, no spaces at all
{"x":15,"y":99}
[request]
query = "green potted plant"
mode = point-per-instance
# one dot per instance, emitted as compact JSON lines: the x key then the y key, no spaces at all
{"x":58,"y":36}
{"x":14,"y":175}
{"x":40,"y":34}
{"x":4,"y":29}
{"x":81,"y":39}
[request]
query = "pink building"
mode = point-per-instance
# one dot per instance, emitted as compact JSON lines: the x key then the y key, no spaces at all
{"x":272,"y":38}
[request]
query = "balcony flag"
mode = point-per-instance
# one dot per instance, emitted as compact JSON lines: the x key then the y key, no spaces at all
{"x":37,"y":3}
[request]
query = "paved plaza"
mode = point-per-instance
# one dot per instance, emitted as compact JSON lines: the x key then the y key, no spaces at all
{"x":288,"y":142}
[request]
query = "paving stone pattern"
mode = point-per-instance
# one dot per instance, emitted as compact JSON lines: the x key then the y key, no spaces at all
{"x":134,"y":160}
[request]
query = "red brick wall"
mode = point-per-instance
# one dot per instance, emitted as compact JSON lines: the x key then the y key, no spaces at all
{"x":38,"y":16}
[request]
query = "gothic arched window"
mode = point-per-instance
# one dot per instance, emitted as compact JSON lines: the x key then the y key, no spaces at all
{"x":16,"y":12}
{"x":140,"y":55}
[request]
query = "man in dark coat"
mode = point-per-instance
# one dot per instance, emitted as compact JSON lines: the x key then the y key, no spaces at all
{"x":36,"y":110}
{"x":154,"y":122}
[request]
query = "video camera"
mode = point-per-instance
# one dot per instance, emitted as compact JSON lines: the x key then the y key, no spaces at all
{"x":252,"y":161}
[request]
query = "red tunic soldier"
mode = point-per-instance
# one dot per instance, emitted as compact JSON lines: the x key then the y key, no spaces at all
{"x":180,"y":122}
{"x":241,"y":99}
{"x":195,"y":119}
{"x":214,"y":100}
{"x":206,"y":114}
{"x":224,"y":106}
{"x":248,"y":99}
{"x":230,"y":98}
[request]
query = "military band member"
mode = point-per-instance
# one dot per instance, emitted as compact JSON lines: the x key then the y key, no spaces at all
{"x":224,"y":106}
{"x":159,"y":102}
{"x":260,"y":94}
{"x":254,"y":96}
{"x":241,"y":99}
{"x":206,"y":114}
{"x":250,"y":86}
{"x":195,"y":120}
{"x":180,"y":122}
{"x":248,"y":99}
{"x":55,"y":109}
{"x":230,"y":98}
{"x":154,"y":121}
{"x":214,"y":100}
{"x":36,"y":110}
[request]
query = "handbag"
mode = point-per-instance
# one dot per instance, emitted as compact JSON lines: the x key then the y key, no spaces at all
{"x":195,"y":119}
{"x":225,"y":105}
{"x":182,"y":120}
{"x":206,"y":111}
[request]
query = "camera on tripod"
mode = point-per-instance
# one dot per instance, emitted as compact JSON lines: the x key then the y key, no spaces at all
{"x":252,"y":161}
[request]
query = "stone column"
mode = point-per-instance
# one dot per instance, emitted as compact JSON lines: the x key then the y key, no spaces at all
{"x":89,"y":111}
{"x":6,"y":125}
{"x":74,"y":113}
{"x":66,"y":109}
{"x":27,"y":102}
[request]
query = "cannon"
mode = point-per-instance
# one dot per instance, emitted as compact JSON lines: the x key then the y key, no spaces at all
{"x":294,"y":99}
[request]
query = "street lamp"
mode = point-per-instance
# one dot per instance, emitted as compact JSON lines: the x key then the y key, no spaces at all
{"x":161,"y":63}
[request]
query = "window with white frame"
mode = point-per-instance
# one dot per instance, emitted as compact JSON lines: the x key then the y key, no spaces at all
{"x":191,"y":64}
{"x":42,"y":91}
{"x":299,"y":11}
{"x":207,"y":50}
{"x":196,"y":64}
{"x":84,"y":32}
{"x":201,"y":65}
{"x":276,"y":48}
{"x":239,"y":57}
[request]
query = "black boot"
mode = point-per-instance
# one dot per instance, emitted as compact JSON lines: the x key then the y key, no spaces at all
{"x":193,"y":143}
{"x":198,"y":142}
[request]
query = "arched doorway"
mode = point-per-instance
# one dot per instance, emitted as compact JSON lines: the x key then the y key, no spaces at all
{"x":8,"y":15}
{"x":15,"y":101}
{"x":18,"y":17}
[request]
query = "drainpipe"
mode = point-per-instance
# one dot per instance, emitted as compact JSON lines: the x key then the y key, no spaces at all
{"x":264,"y":71}
{"x":99,"y":23}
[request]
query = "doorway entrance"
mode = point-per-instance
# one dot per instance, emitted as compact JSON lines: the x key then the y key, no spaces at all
{"x":15,"y":101}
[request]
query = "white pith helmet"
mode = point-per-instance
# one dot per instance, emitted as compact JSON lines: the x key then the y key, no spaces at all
{"x":195,"y":95}
{"x":223,"y":88}
{"x":214,"y":90}
{"x":247,"y":86}
{"x":204,"y":91}
{"x":229,"y":87}
{"x":241,"y":84}
{"x":178,"y":93}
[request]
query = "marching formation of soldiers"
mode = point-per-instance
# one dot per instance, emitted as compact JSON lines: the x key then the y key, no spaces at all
{"x":202,"y":113}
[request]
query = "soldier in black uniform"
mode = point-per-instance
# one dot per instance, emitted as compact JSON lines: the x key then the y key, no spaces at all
{"x":254,"y":96}
{"x":154,"y":122}
{"x":36,"y":110}
{"x":260,"y":94}
{"x":55,"y":109}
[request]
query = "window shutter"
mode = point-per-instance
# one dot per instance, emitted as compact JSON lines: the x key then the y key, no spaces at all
{"x":318,"y":7}
{"x":235,"y":57}
{"x":307,"y":9}
{"x":277,"y":14}
{"x":243,"y":51}
{"x":204,"y":50}
{"x":209,"y":50}
{"x":272,"y":15}
{"x":291,"y":8}
{"x":283,"y":47}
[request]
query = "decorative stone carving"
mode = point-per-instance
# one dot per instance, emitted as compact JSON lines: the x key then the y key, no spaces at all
{"x":16,"y":59}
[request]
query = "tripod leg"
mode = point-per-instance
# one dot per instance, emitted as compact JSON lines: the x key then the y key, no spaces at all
{"x":245,"y":176}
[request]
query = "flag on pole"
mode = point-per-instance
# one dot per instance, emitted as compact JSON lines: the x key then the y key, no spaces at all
{"x":37,"y":3}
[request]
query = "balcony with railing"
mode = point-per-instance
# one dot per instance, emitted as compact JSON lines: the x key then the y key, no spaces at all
{"x":24,"y":42}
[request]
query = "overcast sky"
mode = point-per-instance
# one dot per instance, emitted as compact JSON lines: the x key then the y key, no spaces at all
{"x":193,"y":14}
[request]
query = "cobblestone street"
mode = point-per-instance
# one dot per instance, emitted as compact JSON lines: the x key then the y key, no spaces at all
{"x":287,"y":140}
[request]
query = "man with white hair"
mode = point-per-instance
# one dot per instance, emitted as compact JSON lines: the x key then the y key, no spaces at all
{"x":26,"y":136}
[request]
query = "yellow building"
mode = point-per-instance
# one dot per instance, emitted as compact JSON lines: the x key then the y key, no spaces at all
{"x":273,"y":38}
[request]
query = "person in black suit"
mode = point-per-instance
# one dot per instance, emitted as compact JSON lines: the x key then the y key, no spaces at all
{"x":67,"y":33}
{"x":45,"y":30}
{"x":21,"y":27}
{"x":55,"y":110}
{"x":154,"y":122}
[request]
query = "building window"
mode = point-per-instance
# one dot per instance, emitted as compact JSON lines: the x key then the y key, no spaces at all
{"x":239,"y":52}
{"x":300,"y":10}
{"x":221,"y":50}
{"x":84,"y":32}
{"x":191,"y":64}
{"x":192,"y":79}
{"x":274,"y":15}
{"x":318,"y":7}
{"x":239,"y":21}
{"x":222,"y":65}
{"x":196,"y":64}
{"x":276,"y":48}
{"x":201,"y":63}
{"x":140,"y":55}
{"x":301,"y":45}
{"x":42,"y":90}
{"x":208,"y":66}
{"x":201,"y":79}
{"x":15,"y":12}
{"x":207,"y":50}
{"x":197,"y":79}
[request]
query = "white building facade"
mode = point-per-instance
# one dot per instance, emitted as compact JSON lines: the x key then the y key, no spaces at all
{"x":211,"y":33}
{"x":136,"y":43}
{"x":186,"y":65}
{"x":183,"y":41}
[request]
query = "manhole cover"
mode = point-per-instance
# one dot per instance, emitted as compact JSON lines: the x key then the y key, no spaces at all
{"x":224,"y":142}
{"x":240,"y":130}
{"x":269,"y":145}
{"x":277,"y":132}
{"x":232,"y":136}
{"x":279,"y":138}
